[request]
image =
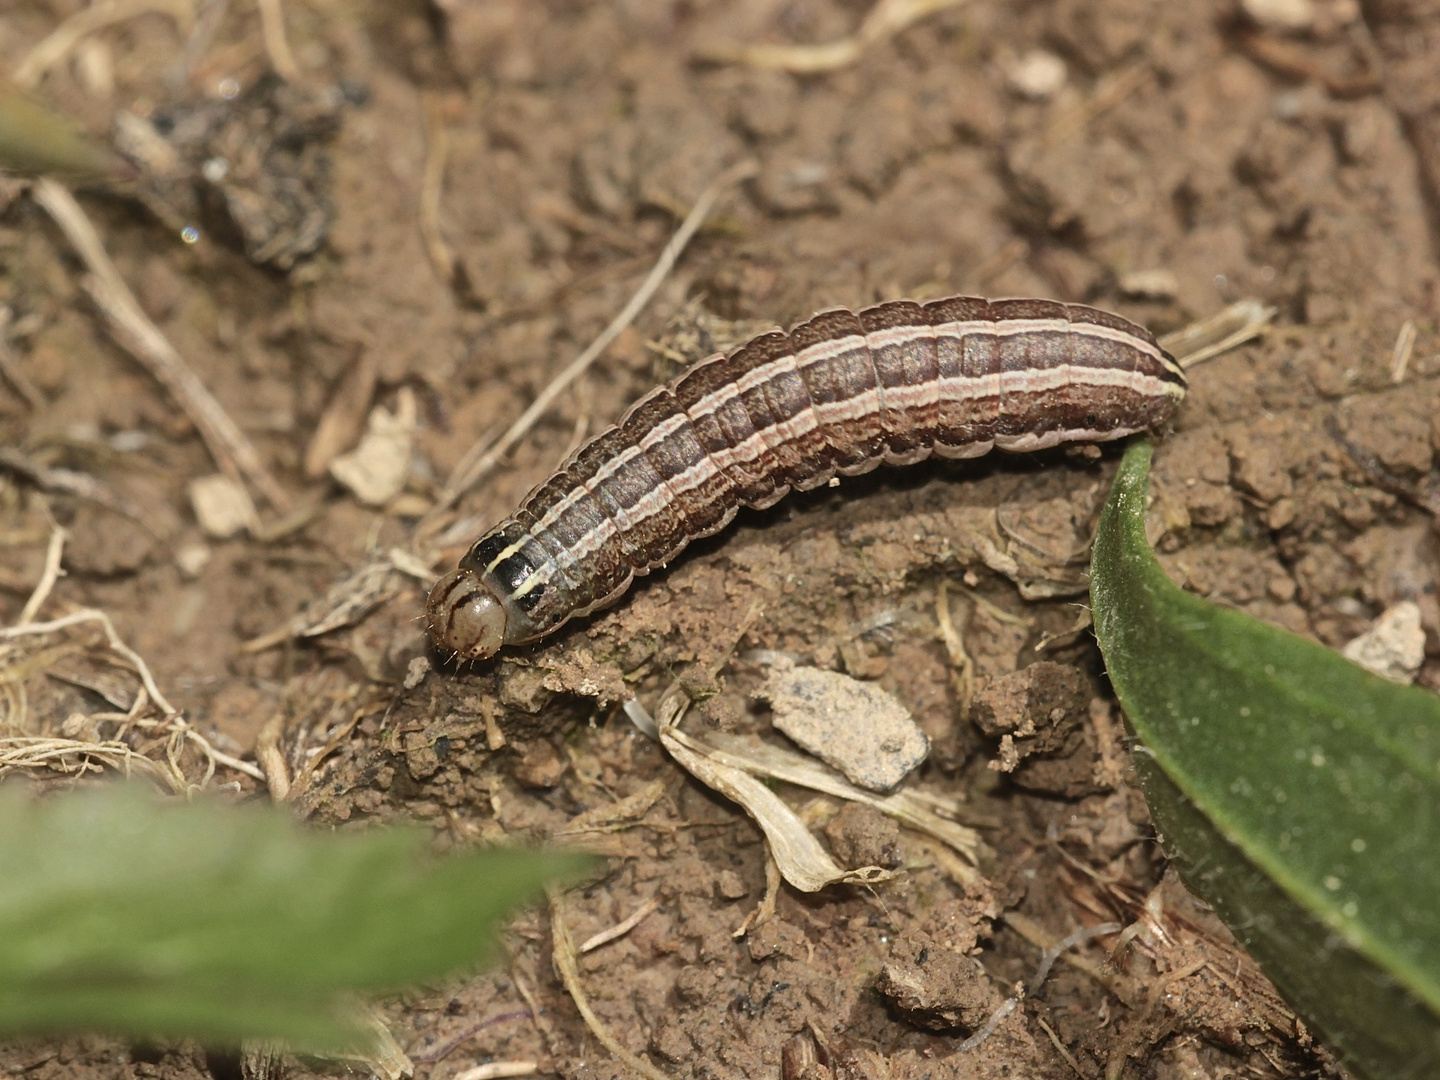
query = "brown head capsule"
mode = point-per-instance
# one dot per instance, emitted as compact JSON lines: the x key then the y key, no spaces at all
{"x":838,"y":394}
{"x":465,"y":617}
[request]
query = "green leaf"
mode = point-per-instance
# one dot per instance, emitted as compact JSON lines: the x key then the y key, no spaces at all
{"x":1295,"y":792}
{"x":33,"y":139}
{"x":223,"y":923}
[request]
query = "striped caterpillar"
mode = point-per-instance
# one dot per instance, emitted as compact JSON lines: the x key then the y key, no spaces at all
{"x":841,"y":393}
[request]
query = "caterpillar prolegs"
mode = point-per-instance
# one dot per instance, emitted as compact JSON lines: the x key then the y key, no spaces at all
{"x":842,"y":392}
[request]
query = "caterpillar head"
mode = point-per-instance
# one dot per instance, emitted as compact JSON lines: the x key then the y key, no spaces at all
{"x":465,"y":617}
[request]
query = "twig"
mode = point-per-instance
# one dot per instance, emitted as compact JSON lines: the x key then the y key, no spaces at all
{"x":272,"y":29}
{"x":1060,"y":1048}
{"x":53,"y":49}
{"x":70,"y":482}
{"x":462,"y":480}
{"x":493,"y":1070}
{"x":48,"y":576}
{"x":564,"y":956}
{"x":1233,"y":325}
{"x":962,"y":667}
{"x":620,"y":929}
{"x":197,"y":42}
{"x":272,"y":760}
{"x":886,"y":19}
{"x":437,"y":149}
{"x":1404,"y":348}
{"x":1108,"y":93}
{"x":444,"y":1048}
{"x":10,"y":371}
{"x":96,"y":615}
{"x":233,"y":452}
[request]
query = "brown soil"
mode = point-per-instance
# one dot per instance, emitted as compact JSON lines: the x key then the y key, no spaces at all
{"x":1300,"y":168}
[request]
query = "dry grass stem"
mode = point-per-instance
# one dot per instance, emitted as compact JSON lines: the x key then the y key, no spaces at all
{"x":372,"y":583}
{"x":1055,"y":951}
{"x":63,"y":39}
{"x":962,"y":667}
{"x":1227,"y":328}
{"x":272,"y":759}
{"x":1061,"y":1049}
{"x":564,"y":957}
{"x":628,"y":809}
{"x":71,"y":482}
{"x":337,"y":740}
{"x":495,"y":1069}
{"x":10,"y":371}
{"x":886,"y":19}
{"x":116,"y":645}
{"x":620,"y":929}
{"x":1404,"y":348}
{"x":48,"y":576}
{"x":343,"y":420}
{"x":462,"y":480}
{"x":172,"y":724}
{"x":432,"y":186}
{"x":764,"y":911}
{"x":233,"y":452}
{"x":1109,"y":92}
{"x":277,"y":48}
{"x":28,"y":753}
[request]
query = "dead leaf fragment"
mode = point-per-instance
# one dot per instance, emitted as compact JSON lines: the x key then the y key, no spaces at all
{"x":222,"y":507}
{"x":375,"y":470}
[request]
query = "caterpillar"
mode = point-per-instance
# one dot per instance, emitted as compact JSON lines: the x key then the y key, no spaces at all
{"x":840,"y":393}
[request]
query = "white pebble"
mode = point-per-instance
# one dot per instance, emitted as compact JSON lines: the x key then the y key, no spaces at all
{"x":1394,"y":648}
{"x":1281,"y":14}
{"x":1038,"y":75}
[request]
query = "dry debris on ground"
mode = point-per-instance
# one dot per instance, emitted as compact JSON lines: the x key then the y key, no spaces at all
{"x":373,"y":263}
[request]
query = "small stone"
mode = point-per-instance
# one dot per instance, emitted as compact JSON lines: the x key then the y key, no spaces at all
{"x":1281,"y":514}
{"x":192,"y":558}
{"x":106,"y":545}
{"x":1290,"y":15}
{"x":1394,"y":648}
{"x":852,"y":726}
{"x":1038,"y":75}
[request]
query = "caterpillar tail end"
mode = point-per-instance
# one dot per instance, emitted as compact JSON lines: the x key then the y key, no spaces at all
{"x":464,"y":616}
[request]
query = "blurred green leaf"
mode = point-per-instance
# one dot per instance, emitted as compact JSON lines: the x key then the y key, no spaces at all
{"x":33,"y":139}
{"x":1295,"y":792}
{"x":224,"y":923}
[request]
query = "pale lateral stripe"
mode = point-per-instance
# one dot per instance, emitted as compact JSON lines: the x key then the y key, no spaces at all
{"x":829,"y":350}
{"x":657,"y":435}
